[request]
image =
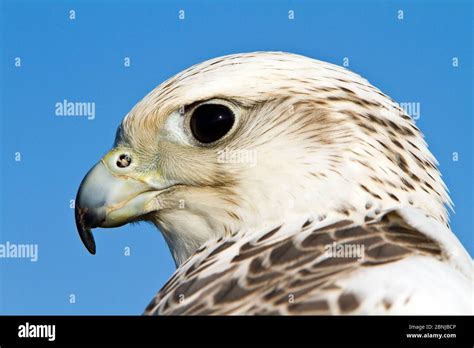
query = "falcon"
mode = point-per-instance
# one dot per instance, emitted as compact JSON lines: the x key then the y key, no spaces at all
{"x":282,"y":185}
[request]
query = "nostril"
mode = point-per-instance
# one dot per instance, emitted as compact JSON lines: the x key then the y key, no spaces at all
{"x":124,"y":161}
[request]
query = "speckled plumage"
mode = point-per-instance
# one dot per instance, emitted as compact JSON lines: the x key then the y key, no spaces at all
{"x":331,"y":150}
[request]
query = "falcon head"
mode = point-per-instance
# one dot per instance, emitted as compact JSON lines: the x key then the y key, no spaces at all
{"x":248,"y":141}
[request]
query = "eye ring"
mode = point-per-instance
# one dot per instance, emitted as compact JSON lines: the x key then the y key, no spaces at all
{"x":210,"y":122}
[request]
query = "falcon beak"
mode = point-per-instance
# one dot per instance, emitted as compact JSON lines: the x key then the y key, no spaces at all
{"x":111,"y":198}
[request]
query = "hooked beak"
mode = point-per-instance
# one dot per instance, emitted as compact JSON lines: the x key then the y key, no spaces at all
{"x":110,"y":199}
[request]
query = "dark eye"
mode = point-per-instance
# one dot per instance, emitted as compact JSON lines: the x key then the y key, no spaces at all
{"x":210,"y":122}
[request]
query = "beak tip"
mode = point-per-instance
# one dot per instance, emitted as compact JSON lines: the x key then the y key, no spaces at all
{"x":92,"y":250}
{"x":88,"y":240}
{"x":85,"y":233}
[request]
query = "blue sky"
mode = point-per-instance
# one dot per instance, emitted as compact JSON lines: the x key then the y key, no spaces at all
{"x":82,"y":60}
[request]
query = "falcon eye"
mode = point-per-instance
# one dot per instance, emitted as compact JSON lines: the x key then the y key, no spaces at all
{"x":210,"y":122}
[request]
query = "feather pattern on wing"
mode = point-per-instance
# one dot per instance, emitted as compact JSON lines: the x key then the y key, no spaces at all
{"x":289,"y":270}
